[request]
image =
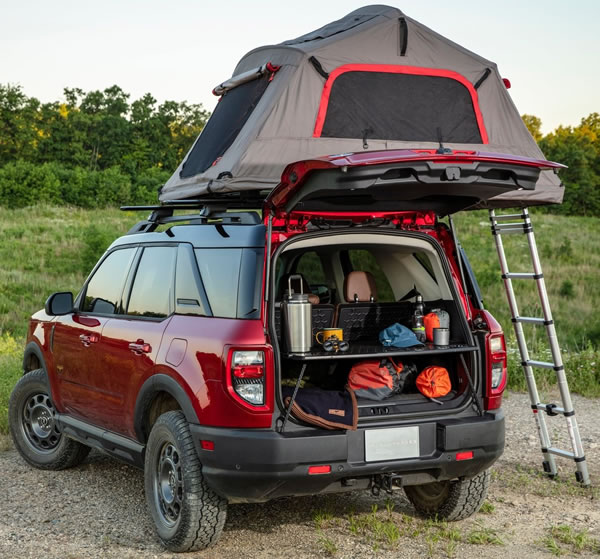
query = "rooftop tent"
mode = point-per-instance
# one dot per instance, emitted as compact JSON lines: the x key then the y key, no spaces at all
{"x":373,"y":80}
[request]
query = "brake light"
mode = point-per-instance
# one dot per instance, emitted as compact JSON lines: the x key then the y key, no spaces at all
{"x":496,"y":370}
{"x":248,"y":376}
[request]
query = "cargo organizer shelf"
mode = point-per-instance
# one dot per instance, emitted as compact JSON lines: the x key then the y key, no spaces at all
{"x":363,"y":350}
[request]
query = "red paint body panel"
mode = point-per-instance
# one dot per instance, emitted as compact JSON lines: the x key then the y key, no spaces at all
{"x":203,"y":371}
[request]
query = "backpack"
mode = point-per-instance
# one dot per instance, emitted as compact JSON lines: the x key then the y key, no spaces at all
{"x":434,"y":382}
{"x":380,"y":379}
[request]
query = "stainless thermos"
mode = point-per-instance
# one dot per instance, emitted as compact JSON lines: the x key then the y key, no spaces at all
{"x":297,"y":316}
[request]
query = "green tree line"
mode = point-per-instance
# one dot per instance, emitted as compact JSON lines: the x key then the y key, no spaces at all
{"x":94,"y":149}
{"x":578,"y":147}
{"x":98,"y":149}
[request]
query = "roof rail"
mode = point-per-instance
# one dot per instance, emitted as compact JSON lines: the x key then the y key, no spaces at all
{"x":209,"y":210}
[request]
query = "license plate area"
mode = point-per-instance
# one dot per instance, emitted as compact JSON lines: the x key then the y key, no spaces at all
{"x":391,"y":444}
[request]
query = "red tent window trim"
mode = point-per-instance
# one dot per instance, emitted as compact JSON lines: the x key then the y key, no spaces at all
{"x":397,"y":69}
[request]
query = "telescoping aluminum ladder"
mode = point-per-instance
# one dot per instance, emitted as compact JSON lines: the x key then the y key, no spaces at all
{"x":521,"y":224}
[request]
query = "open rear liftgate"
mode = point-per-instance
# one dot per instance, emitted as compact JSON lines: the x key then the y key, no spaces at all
{"x":521,"y":224}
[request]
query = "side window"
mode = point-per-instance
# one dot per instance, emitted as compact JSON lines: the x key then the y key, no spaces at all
{"x":232,"y":279}
{"x":103,"y":292}
{"x":364,"y":261}
{"x":152,"y":288}
{"x":189,"y":296}
{"x":220,"y":272}
{"x":311,"y":268}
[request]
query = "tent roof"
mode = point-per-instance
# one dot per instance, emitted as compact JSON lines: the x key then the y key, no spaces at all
{"x":276,"y":107}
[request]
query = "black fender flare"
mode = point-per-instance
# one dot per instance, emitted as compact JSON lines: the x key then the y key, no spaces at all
{"x":155,"y":384}
{"x":33,"y":348}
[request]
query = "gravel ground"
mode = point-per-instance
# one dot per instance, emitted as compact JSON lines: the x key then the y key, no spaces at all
{"x":98,"y":510}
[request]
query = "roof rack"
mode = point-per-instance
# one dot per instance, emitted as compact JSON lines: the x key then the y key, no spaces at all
{"x":210,"y":209}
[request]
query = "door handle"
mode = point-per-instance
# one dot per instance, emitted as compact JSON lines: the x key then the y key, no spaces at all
{"x":140,"y":347}
{"x":87,"y":339}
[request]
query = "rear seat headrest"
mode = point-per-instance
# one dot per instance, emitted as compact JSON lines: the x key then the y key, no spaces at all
{"x":360,"y":286}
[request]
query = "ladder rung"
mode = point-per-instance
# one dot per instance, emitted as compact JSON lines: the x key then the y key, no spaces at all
{"x":541,"y":364}
{"x":509,"y":216}
{"x":520,"y":275}
{"x":532,"y":320}
{"x":508,"y":229}
{"x":553,"y":409}
{"x":559,"y":452}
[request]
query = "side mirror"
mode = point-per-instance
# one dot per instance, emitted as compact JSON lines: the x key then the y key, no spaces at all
{"x":59,"y":303}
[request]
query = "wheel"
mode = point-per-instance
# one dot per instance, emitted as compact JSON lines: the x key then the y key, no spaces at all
{"x":187,"y":513}
{"x":450,"y":500}
{"x":34,"y":429}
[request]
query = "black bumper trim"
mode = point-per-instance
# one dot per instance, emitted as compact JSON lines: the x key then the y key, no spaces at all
{"x":251,"y":465}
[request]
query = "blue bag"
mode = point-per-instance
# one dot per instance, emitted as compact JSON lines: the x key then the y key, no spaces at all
{"x":397,"y":335}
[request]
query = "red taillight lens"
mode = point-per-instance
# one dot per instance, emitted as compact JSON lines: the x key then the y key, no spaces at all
{"x":248,"y":371}
{"x":207,"y":445}
{"x":496,"y":370}
{"x":248,"y":376}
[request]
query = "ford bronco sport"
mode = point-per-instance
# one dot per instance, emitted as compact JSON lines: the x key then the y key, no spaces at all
{"x":172,"y":357}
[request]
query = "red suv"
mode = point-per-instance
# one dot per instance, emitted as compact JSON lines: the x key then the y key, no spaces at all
{"x":173,"y":356}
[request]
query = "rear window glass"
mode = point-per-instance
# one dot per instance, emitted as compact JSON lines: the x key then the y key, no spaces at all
{"x":232,"y":279}
{"x":231,"y":113}
{"x":396,"y":106}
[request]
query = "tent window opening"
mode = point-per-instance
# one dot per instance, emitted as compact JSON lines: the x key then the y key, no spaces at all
{"x":400,"y":103}
{"x":231,"y":113}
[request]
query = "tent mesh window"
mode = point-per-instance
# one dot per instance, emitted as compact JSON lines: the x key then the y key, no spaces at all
{"x":231,"y":113}
{"x":397,"y":106}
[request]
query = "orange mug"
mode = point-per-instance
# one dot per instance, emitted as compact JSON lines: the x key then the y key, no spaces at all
{"x":328,"y":333}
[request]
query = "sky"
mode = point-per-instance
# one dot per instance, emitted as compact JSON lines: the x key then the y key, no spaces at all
{"x":180,"y":49}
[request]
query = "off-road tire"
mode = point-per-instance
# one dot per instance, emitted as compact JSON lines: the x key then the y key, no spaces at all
{"x":34,"y":429}
{"x":450,"y":500}
{"x":187,"y":513}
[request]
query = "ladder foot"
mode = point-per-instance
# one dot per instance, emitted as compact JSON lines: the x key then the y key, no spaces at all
{"x":548,"y":470}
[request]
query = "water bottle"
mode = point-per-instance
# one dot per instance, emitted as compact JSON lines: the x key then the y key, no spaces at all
{"x":418,"y":326}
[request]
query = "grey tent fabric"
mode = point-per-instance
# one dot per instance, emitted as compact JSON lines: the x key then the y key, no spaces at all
{"x":315,"y":82}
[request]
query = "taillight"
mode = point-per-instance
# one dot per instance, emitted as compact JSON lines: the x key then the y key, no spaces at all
{"x":248,"y":376}
{"x":496,"y":370}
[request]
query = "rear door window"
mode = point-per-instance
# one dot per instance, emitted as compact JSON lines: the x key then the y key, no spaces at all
{"x":104,"y":290}
{"x":152,"y":290}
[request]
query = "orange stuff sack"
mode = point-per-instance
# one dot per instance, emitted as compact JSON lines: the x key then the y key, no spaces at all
{"x":430,"y":320}
{"x":437,"y":318}
{"x":434,"y":382}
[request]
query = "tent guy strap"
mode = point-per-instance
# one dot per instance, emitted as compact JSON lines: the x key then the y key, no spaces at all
{"x":268,"y":68}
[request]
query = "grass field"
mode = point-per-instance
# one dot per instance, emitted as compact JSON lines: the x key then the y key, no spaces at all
{"x":47,"y":249}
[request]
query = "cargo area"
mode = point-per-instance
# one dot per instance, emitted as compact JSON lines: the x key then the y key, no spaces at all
{"x":363,"y":283}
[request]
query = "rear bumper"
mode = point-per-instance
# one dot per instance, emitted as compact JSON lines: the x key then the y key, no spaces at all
{"x":249,"y":465}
